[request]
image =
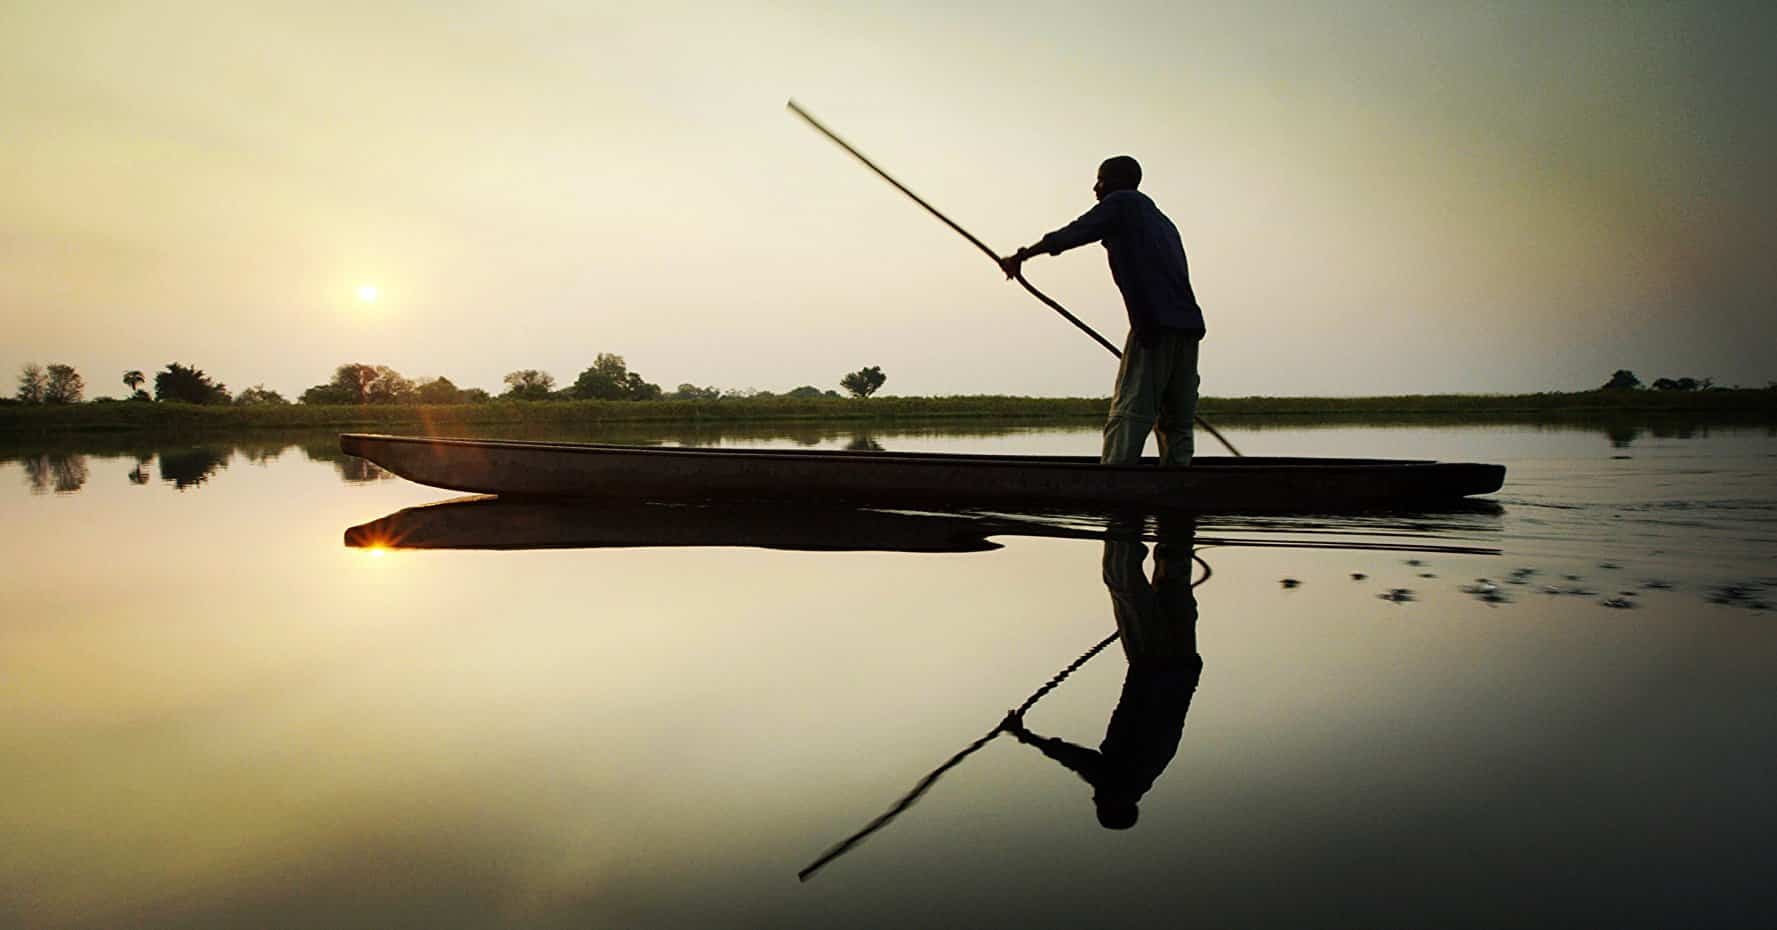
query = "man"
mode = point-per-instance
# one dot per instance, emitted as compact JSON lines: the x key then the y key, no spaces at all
{"x":1157,"y":381}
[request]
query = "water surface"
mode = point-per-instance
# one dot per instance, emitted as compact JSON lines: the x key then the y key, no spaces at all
{"x":216,"y":714}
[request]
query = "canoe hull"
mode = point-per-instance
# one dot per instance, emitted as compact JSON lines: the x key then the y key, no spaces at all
{"x":1209,"y":485}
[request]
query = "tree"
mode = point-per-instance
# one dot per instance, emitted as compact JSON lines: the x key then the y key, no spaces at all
{"x":358,"y":383}
{"x":529,"y":384}
{"x":388,"y":387}
{"x":637,"y":389}
{"x":609,"y":378}
{"x":33,"y":383}
{"x":438,"y":391}
{"x":604,"y":380}
{"x":1623,"y":380}
{"x":808,"y":391}
{"x":65,"y":386}
{"x":134,"y":379}
{"x":863,"y":382}
{"x":259,"y":396}
{"x":689,"y":391}
{"x":352,"y":381}
{"x":322,"y":394}
{"x":188,"y":384}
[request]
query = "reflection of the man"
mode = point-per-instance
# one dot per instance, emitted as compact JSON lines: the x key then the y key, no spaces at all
{"x":1157,"y":625}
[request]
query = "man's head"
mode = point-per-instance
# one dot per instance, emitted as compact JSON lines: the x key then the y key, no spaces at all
{"x":1116,"y":813}
{"x":1117,"y":173}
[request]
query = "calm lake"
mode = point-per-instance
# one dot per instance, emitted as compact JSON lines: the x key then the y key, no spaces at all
{"x":1554,"y":710}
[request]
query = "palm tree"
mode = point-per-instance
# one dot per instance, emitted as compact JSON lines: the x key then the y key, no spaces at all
{"x":134,"y":379}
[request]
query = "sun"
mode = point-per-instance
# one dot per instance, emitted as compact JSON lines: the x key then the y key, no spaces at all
{"x":367,"y":293}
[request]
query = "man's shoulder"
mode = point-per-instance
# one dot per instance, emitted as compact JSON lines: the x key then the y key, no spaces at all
{"x":1141,"y":208}
{"x":1122,"y":198}
{"x":1132,"y":203}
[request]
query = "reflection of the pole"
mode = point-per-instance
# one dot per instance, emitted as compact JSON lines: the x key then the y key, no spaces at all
{"x":1157,"y":640}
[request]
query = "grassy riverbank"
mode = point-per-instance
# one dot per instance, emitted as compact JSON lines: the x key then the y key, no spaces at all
{"x":441,"y":419}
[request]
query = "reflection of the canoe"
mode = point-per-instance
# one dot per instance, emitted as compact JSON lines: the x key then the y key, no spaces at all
{"x":489,"y":522}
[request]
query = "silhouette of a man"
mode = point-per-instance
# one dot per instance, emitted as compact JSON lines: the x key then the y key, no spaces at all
{"x":1157,"y":624}
{"x":1157,"y":381}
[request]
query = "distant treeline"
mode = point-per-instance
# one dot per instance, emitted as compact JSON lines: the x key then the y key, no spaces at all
{"x":607,"y":378}
{"x":444,"y":418}
{"x":378,"y":397}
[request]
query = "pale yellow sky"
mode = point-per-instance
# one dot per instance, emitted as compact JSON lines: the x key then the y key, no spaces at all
{"x":1376,"y":198}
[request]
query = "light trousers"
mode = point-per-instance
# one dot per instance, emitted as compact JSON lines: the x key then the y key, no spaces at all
{"x":1156,"y":392}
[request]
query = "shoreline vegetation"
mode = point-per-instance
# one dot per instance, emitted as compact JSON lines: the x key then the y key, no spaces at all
{"x":443,"y":419}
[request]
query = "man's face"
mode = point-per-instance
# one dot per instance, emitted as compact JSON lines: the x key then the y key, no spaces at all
{"x":1100,"y":188}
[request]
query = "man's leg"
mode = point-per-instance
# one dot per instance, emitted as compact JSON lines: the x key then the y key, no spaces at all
{"x":1132,"y":404}
{"x":1178,"y":399}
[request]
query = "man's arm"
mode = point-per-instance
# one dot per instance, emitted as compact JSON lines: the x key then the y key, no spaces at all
{"x":1084,"y":762}
{"x":1011,"y":263}
{"x":1092,"y":226}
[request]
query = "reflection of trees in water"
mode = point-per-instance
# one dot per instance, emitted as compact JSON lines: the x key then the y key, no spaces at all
{"x":190,"y":467}
{"x":1624,"y":433}
{"x":352,"y":468}
{"x":1677,"y":429}
{"x":1621,"y":428}
{"x":261,"y":453}
{"x":798,"y":432}
{"x":61,"y":472}
{"x":862,"y":442}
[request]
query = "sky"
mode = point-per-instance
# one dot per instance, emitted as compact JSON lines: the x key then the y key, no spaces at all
{"x":1376,"y":198}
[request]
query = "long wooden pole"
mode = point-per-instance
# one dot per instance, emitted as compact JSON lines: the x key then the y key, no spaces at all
{"x":1039,"y":295}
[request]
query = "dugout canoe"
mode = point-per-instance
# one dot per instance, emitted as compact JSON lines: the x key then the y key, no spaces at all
{"x":1210,"y":484}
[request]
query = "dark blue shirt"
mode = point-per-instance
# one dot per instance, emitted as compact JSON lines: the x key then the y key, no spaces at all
{"x":1147,"y":260}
